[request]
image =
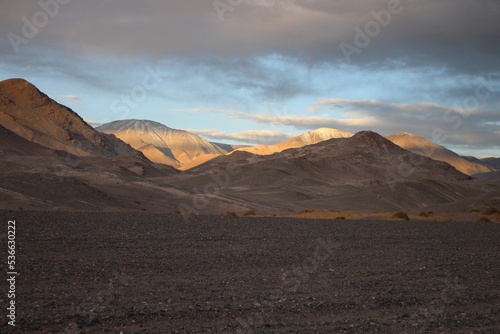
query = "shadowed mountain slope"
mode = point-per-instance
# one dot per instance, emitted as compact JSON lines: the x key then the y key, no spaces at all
{"x":492,"y":162}
{"x":34,"y":116}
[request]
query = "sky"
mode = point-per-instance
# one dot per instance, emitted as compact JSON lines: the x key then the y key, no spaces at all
{"x":261,"y":71}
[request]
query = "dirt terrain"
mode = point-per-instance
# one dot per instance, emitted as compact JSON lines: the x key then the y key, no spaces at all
{"x":154,"y":273}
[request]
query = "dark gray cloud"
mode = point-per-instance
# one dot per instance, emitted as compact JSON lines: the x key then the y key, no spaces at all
{"x":462,"y":35}
{"x":454,"y":36}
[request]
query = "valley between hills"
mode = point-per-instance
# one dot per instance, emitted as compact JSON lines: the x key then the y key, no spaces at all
{"x":51,"y":159}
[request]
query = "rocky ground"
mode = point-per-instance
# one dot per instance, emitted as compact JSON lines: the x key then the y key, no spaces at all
{"x":153,"y":273}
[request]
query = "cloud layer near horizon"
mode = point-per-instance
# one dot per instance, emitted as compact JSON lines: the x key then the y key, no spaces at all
{"x":252,"y":137}
{"x":474,"y":128}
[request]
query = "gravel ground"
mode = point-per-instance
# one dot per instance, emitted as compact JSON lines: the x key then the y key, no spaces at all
{"x":135,"y":273}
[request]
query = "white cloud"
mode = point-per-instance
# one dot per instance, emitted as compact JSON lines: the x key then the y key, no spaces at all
{"x":248,"y":137}
{"x":202,"y":111}
{"x":70,"y":97}
{"x":307,"y":122}
{"x":93,"y":123}
{"x":74,"y":100}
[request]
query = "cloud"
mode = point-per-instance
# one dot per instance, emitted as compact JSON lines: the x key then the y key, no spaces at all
{"x":254,"y":137}
{"x":70,"y":97}
{"x":74,"y":100}
{"x":467,"y":127}
{"x":307,"y":122}
{"x":263,"y":50}
{"x":317,"y":108}
{"x":202,"y":111}
{"x":459,"y":126}
{"x":424,"y":32}
{"x":93,"y":124}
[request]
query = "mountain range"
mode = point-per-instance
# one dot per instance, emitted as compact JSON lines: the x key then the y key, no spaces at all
{"x":51,"y":159}
{"x":184,"y":150}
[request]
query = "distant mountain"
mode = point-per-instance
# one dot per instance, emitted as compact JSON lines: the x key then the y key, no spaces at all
{"x":311,"y":137}
{"x":160,"y":143}
{"x":32,"y":115}
{"x":364,"y":160}
{"x":492,"y":162}
{"x":434,"y":151}
{"x":472,"y":159}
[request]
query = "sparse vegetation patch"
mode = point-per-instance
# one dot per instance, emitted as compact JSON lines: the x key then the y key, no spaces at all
{"x":248,"y":213}
{"x":228,"y":213}
{"x":490,"y":211}
{"x":401,"y":215}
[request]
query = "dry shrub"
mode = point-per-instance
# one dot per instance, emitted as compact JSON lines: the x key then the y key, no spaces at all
{"x":484,"y":219}
{"x":401,"y":215}
{"x":248,"y":213}
{"x":228,"y":213}
{"x":490,"y":211}
{"x":307,"y":211}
